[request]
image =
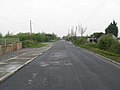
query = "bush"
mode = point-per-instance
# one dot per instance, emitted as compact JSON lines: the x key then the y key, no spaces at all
{"x":116,"y":48}
{"x":106,"y":42}
{"x":32,"y":44}
{"x":28,"y":43}
{"x":81,"y":41}
{"x":38,"y":37}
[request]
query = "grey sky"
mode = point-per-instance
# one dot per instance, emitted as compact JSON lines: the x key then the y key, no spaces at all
{"x":57,"y":15}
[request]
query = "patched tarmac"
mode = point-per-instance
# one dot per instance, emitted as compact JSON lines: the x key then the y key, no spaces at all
{"x":11,"y":65}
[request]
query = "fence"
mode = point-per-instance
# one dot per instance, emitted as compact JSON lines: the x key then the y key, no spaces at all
{"x":7,"y":41}
{"x":9,"y":45}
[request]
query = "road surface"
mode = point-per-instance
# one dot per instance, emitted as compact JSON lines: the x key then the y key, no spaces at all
{"x":65,"y":67}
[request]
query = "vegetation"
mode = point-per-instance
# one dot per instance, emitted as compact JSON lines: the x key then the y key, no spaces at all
{"x":106,"y":42}
{"x":37,"y":37}
{"x":5,"y":41}
{"x":35,"y":40}
{"x":103,"y":44}
{"x":32,"y":44}
{"x":31,"y":40}
{"x":93,"y":47}
{"x":81,"y":29}
{"x":81,"y":41}
{"x":112,"y":29}
{"x":97,"y":34}
{"x":116,"y":48}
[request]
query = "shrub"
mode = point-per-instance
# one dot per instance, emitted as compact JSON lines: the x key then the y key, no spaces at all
{"x":38,"y":37}
{"x":32,"y":44}
{"x":106,"y":42}
{"x":28,"y":43}
{"x":116,"y":48}
{"x":81,"y":41}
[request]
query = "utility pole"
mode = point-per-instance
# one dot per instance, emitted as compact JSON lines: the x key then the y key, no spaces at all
{"x":76,"y":31}
{"x":30,"y":27}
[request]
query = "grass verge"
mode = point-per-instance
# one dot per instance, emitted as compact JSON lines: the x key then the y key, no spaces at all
{"x":32,"y":44}
{"x":110,"y":55}
{"x":36,"y":45}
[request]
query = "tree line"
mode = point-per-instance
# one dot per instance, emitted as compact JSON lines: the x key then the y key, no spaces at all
{"x":107,"y":41}
{"x":32,"y":39}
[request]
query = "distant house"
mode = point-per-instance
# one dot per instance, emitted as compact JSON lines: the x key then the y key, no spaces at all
{"x":92,"y":40}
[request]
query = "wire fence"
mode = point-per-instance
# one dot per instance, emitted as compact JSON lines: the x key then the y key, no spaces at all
{"x":6,"y":41}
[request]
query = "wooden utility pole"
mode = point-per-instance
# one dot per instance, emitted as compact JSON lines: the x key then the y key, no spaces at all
{"x":76,"y":31}
{"x":30,"y":27}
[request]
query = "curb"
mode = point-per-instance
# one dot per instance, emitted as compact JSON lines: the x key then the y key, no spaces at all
{"x":107,"y":59}
{"x":21,"y":66}
{"x":18,"y":68}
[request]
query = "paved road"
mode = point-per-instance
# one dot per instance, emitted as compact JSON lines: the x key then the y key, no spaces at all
{"x":15,"y":61}
{"x":64,"y":67}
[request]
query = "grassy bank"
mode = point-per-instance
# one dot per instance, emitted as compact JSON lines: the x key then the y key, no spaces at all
{"x":110,"y":55}
{"x":33,"y":44}
{"x":36,"y":45}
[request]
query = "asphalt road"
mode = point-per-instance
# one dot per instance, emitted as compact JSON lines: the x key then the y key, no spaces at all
{"x":65,"y":67}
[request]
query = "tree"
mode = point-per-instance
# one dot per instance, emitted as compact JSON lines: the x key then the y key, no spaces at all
{"x":9,"y":34}
{"x":112,"y":29}
{"x":81,"y":29}
{"x":38,"y":37}
{"x":23,"y":36}
{"x":97,"y":34}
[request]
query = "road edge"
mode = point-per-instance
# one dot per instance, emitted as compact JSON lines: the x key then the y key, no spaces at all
{"x":107,"y":59}
{"x":21,"y":66}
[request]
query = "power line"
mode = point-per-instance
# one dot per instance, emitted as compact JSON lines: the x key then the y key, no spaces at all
{"x":96,"y":10}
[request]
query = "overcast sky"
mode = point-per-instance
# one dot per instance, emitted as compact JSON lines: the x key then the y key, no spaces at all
{"x":57,"y":15}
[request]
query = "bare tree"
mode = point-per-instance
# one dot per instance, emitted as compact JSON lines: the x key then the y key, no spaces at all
{"x":76,"y":31}
{"x":72,"y":31}
{"x":69,"y":33}
{"x":81,"y":29}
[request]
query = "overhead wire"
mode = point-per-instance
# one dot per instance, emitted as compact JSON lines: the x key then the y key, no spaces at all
{"x":94,"y":12}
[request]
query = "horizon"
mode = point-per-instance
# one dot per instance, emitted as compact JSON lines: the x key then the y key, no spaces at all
{"x":57,"y":16}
